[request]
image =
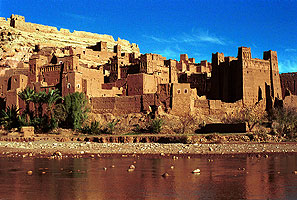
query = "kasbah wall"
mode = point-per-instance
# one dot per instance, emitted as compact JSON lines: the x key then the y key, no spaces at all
{"x":120,"y":82}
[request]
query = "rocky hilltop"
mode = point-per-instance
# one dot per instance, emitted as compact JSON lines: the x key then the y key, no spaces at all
{"x":18,"y":39}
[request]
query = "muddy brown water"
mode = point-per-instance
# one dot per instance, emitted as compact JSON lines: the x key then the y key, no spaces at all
{"x":237,"y":177}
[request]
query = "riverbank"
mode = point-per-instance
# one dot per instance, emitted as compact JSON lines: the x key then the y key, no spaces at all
{"x":47,"y":147}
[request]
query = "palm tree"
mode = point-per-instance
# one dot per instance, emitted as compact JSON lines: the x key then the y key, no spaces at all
{"x":35,"y":100}
{"x":39,"y":99}
{"x":51,"y":98}
{"x":27,"y":96}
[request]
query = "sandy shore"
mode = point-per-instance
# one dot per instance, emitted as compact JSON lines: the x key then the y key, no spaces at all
{"x":49,"y":147}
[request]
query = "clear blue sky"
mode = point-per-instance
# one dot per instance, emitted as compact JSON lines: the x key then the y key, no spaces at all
{"x":172,"y":27}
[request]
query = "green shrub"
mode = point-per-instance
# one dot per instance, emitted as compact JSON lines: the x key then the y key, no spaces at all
{"x":93,"y":128}
{"x":110,"y":127}
{"x":10,"y":118}
{"x":155,"y":125}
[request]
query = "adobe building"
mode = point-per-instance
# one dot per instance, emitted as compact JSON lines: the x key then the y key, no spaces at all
{"x":225,"y":84}
{"x":116,"y":78}
{"x":288,"y":84}
{"x":289,"y":89}
{"x":245,"y":78}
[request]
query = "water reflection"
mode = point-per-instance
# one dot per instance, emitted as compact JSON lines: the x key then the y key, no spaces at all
{"x":223,"y":178}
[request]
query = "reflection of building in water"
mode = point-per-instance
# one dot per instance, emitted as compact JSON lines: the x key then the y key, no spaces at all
{"x":145,"y":182}
{"x":263,"y":180}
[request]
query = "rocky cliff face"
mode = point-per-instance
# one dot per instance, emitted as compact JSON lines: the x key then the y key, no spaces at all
{"x":18,"y":39}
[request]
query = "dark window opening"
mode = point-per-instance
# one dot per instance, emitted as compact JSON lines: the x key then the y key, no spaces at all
{"x":9,"y":84}
{"x":54,"y":60}
{"x":260,"y":94}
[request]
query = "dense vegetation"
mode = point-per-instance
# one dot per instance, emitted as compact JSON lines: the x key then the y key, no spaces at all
{"x":46,"y":111}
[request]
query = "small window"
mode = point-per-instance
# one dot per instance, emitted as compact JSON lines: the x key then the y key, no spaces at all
{"x":178,"y":91}
{"x":68,"y":85}
{"x":78,"y":85}
{"x":186,"y":91}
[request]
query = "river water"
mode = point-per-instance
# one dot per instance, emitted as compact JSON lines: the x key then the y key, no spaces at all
{"x":237,"y":177}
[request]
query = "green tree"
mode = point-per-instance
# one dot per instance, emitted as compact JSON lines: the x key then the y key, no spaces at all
{"x":51,"y":98}
{"x":76,"y":107}
{"x":60,"y":114}
{"x":27,"y":96}
{"x":39,"y":99}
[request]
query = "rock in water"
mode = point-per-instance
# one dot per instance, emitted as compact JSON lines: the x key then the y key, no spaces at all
{"x":132,"y":167}
{"x":196,"y":171}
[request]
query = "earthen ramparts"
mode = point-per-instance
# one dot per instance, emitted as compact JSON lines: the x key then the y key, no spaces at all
{"x":116,"y":105}
{"x":50,"y":36}
{"x":32,"y":27}
{"x":123,"y":104}
{"x":215,"y":107}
